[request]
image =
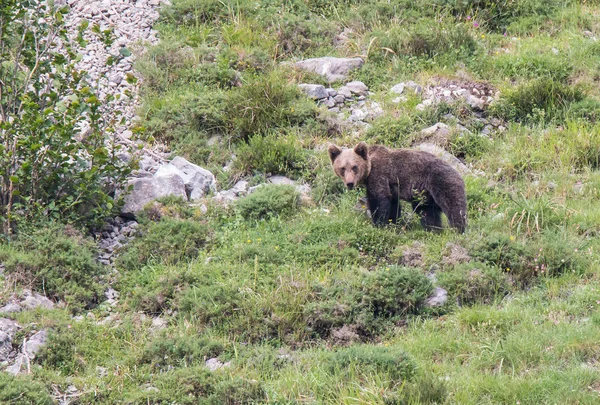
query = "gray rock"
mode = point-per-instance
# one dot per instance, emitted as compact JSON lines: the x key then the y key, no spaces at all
{"x":314,"y":91}
{"x":437,"y":129}
{"x":215,"y":364}
{"x":35,"y":343}
{"x":281,"y":180}
{"x":344,"y":92}
{"x":148,"y":189}
{"x":8,"y":328}
{"x":398,"y":88}
{"x":198,"y":181}
{"x":101,"y":371}
{"x":35,"y":300}
{"x":329,"y":103}
{"x":10,"y":308}
{"x":414,"y":86}
{"x":339,"y":99}
{"x":332,"y":68}
{"x":331,"y":92}
{"x":475,"y":102}
{"x":357,"y":87}
{"x":15,"y":368}
{"x":438,"y":298}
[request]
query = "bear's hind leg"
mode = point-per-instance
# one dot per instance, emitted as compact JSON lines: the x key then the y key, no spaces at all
{"x":394,"y":211}
{"x":430,"y":214}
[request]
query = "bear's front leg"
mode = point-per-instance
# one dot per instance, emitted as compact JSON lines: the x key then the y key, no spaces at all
{"x":380,"y":208}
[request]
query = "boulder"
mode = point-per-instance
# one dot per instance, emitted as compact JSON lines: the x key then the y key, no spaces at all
{"x":314,"y":91}
{"x":357,"y":87}
{"x":332,"y":68}
{"x":147,"y":189}
{"x":438,"y":298}
{"x":198,"y":181}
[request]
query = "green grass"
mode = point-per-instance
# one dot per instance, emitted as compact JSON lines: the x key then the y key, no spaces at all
{"x":308,"y":301}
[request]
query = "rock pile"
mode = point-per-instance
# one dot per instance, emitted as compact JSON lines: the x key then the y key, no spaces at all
{"x":348,"y":100}
{"x":131,"y":23}
{"x":477,"y":95}
{"x":115,"y":233}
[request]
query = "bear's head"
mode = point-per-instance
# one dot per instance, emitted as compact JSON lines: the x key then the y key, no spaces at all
{"x":351,"y":165}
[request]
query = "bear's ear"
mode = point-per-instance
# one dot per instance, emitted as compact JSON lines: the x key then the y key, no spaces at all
{"x":362,"y":150}
{"x":334,"y":152}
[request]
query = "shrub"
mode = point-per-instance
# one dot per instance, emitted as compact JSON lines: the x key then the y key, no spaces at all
{"x":469,"y":145}
{"x":199,"y":386}
{"x":587,"y":110}
{"x":184,"y":350}
{"x":394,"y":291}
{"x":210,"y":304}
{"x":368,"y":360}
{"x":266,"y":103}
{"x":23,"y":391}
{"x":429,"y":39}
{"x":549,"y":253}
{"x":541,"y":100}
{"x":474,"y":283}
{"x":529,"y":66}
{"x":168,"y":241}
{"x":274,"y":153}
{"x":57,"y":261}
{"x":267,"y":201}
{"x":52,"y":168}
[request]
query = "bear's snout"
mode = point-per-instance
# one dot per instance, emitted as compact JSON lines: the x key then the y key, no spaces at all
{"x":350,"y":186}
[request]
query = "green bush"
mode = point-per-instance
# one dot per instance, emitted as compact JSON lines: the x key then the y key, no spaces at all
{"x":497,"y":15}
{"x":183,"y":350}
{"x":474,"y":283}
{"x":211,"y":304}
{"x":370,"y":302}
{"x":57,"y":261}
{"x":587,"y":110}
{"x":394,"y":291}
{"x":367,"y":360}
{"x":428,"y":39}
{"x":538,"y":101}
{"x":168,"y":241}
{"x":268,"y":201}
{"x":469,"y":145}
{"x":199,"y":386}
{"x":549,"y":253}
{"x":274,"y":153}
{"x":529,"y":66}
{"x":265,"y":103}
{"x":23,"y":391}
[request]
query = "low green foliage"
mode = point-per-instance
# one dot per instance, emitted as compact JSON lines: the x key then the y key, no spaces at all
{"x":57,"y":261}
{"x":368,"y":359}
{"x":539,"y":101}
{"x":275,"y":153}
{"x":167,"y":241}
{"x":180,"y":351}
{"x":23,"y":391}
{"x":474,"y":283}
{"x":268,"y":201}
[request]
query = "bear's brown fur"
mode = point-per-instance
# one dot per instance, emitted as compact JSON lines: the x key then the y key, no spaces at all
{"x":431,"y":185}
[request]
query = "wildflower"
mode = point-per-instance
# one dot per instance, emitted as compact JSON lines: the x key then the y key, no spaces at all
{"x":475,"y":24}
{"x":482,"y":36}
{"x":508,"y":269}
{"x":512,"y":237}
{"x":504,"y":33}
{"x":249,"y":241}
{"x":468,"y":18}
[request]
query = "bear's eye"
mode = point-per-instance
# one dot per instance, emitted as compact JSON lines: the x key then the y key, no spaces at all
{"x":355,"y":169}
{"x":342,"y":170}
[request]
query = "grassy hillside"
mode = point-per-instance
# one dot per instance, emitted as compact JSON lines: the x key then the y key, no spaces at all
{"x":307,"y":302}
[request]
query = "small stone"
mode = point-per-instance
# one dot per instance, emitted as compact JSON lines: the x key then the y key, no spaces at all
{"x":214,"y":364}
{"x":398,"y":88}
{"x":400,"y":99}
{"x":438,"y":298}
{"x":314,"y":91}
{"x":358,"y":88}
{"x":331,"y":92}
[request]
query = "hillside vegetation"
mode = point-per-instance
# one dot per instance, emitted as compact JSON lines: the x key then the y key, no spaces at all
{"x":304,"y":300}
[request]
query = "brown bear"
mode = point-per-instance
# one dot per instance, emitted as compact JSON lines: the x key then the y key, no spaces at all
{"x":390,"y":175}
